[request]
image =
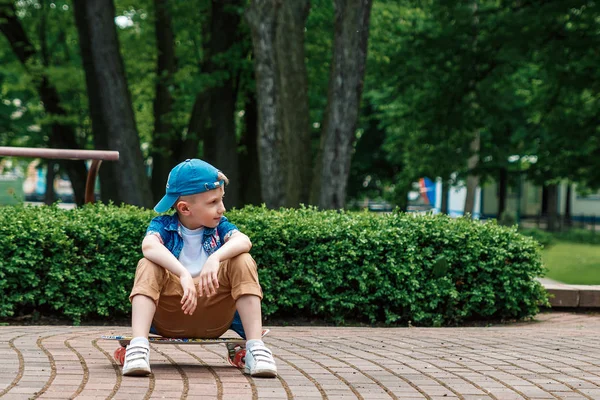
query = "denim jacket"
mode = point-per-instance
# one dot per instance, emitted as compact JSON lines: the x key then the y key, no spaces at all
{"x":168,"y":229}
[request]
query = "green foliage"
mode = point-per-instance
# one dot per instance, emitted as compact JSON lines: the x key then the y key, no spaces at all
{"x":78,"y":264}
{"x":518,"y":74}
{"x":336,"y":266}
{"x":430,"y":270}
{"x":51,"y":30}
{"x":318,"y":47}
{"x":523,"y":75}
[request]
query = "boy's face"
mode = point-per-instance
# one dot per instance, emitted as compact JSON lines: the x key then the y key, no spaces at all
{"x":202,"y":209}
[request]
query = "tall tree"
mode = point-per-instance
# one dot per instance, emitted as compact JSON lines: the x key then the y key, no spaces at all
{"x":472,"y":178}
{"x":220,"y":147}
{"x":164,"y":143}
{"x":292,"y":86}
{"x":343,"y":101}
{"x":262,"y":18}
{"x":249,"y":161}
{"x":111,"y":111}
{"x":62,"y":135}
{"x":475,"y":146}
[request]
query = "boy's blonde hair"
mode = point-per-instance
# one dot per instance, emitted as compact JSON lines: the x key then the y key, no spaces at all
{"x":223,"y":178}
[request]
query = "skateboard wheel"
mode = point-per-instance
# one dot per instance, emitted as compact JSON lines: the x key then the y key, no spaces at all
{"x":120,"y":355}
{"x":239,"y":358}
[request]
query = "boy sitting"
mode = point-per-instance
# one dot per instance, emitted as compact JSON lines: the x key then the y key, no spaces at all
{"x":195,"y":273}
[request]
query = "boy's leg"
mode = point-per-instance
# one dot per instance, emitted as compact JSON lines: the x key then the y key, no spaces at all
{"x":245,"y":289}
{"x":142,"y":312}
{"x":149,"y":280}
{"x":214,"y":315}
{"x":250,"y":311}
{"x":238,"y":281}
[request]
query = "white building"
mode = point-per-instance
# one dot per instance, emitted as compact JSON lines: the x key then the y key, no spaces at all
{"x":526,"y":204}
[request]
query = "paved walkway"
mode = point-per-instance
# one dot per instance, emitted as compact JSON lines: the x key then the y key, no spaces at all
{"x":556,"y":357}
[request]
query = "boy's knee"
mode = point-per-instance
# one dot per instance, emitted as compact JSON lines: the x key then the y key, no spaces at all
{"x":243,"y":260}
{"x":147,"y":267}
{"x":241,"y":275}
{"x":149,"y":280}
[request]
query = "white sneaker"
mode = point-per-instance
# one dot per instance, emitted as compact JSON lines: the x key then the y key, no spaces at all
{"x":259,"y":362}
{"x":137,"y":360}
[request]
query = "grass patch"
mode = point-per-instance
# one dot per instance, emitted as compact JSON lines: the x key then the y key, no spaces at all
{"x":573,"y":263}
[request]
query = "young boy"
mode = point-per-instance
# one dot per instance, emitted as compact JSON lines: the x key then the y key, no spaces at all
{"x":195,"y":273}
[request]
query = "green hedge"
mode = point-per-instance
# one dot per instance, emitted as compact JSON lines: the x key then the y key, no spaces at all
{"x":327,"y":265}
{"x":79,"y":264}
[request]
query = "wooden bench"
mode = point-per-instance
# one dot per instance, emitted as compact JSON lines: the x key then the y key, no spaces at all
{"x":97,"y":156}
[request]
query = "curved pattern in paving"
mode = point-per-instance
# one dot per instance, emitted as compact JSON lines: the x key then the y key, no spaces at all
{"x":555,"y":357}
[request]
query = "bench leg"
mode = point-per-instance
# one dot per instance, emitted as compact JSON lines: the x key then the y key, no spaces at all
{"x":91,"y":181}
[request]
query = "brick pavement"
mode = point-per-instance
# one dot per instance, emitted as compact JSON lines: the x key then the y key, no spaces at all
{"x":555,"y":357}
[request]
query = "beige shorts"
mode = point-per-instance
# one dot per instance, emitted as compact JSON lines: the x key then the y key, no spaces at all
{"x":237,"y":276}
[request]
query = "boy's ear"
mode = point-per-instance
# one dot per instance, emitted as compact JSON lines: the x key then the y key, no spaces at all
{"x":182,"y":207}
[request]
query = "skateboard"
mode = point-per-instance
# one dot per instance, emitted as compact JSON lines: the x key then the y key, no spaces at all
{"x":236,"y":350}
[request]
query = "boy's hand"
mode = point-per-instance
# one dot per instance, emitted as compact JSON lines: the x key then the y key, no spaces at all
{"x":209,"y":282}
{"x":190,"y":298}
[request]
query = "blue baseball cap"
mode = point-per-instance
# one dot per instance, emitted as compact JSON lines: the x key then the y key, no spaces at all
{"x":189,"y":177}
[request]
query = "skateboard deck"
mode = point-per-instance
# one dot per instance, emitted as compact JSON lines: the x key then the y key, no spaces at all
{"x":124,"y":340}
{"x":235,"y":348}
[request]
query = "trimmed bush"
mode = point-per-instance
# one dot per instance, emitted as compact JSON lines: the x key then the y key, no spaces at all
{"x":328,"y":265}
{"x":79,"y":263}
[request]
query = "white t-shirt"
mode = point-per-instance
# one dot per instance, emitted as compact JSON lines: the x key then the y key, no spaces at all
{"x":193,"y":256}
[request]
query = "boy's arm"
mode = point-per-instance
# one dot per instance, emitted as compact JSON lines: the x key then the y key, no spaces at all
{"x":156,"y":252}
{"x":236,"y":244}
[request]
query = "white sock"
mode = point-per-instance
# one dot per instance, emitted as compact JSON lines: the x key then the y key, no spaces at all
{"x":140,"y":340}
{"x":251,"y":343}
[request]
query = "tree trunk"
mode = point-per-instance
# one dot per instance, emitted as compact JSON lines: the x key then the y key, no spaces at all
{"x":345,"y":89}
{"x":113,"y":121}
{"x":61,"y":135}
{"x":197,"y":127}
{"x":502,"y":191}
{"x":292,"y":86}
{"x":164,"y":140}
{"x":249,"y":164}
{"x":544,"y":200}
{"x":552,"y":207}
{"x":568,"y":205}
{"x":261,"y":17}
{"x":223,"y":36}
{"x":50,"y":196}
{"x":472,"y":178}
{"x":444,"y":194}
